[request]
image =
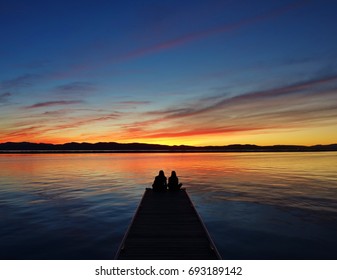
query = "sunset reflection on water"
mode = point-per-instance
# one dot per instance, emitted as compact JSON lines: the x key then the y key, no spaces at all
{"x":87,"y":200}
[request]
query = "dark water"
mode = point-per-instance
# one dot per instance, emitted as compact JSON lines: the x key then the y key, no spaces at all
{"x":255,"y":206}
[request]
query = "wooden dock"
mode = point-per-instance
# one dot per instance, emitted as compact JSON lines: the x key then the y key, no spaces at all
{"x":166,"y":226}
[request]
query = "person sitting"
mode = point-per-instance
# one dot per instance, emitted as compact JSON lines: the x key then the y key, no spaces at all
{"x":160,"y":183}
{"x":173,"y":182}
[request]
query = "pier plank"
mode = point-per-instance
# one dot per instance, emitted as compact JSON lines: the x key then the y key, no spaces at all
{"x":167,"y":226}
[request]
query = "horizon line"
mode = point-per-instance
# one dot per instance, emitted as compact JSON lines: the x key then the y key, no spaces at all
{"x":155,"y":144}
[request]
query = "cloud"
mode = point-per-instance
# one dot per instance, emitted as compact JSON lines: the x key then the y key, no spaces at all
{"x":82,"y":121}
{"x":4,"y":97}
{"x":54,"y":103}
{"x":22,"y":81}
{"x":63,"y":112}
{"x":23,"y":133}
{"x":202,"y":106}
{"x":178,"y":41}
{"x":76,"y":86}
{"x":130,"y":104}
{"x":56,"y":113}
{"x":306,"y":103}
{"x":134,"y":102}
{"x":200,"y":131}
{"x":191,"y":37}
{"x":48,"y":124}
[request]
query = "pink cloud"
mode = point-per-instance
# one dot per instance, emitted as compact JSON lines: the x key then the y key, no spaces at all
{"x":188,"y":38}
{"x":180,"y":41}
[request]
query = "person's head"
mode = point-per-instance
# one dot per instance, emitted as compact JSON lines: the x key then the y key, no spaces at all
{"x":173,"y":174}
{"x":161,"y":173}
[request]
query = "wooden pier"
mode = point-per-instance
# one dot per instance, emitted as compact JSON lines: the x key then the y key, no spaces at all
{"x":166,"y":226}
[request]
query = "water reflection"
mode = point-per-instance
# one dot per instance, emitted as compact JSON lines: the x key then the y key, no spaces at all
{"x":77,"y":206}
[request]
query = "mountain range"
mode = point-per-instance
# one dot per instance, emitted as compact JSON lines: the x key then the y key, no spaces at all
{"x":17,"y":147}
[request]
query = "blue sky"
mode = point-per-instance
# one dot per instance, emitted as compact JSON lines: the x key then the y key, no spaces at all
{"x":172,"y":72}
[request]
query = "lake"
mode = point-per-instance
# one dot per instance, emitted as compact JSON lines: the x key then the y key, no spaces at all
{"x":255,"y":205}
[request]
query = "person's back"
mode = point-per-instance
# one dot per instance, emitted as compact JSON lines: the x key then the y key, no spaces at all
{"x":160,"y":182}
{"x":173,"y":182}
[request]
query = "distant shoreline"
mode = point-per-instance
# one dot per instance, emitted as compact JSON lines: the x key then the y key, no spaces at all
{"x":112,"y":147}
{"x":152,"y":152}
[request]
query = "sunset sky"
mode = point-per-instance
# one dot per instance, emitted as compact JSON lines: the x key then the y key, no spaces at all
{"x":169,"y":72}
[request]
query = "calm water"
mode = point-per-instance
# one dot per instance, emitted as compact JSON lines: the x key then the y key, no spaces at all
{"x":256,"y":206}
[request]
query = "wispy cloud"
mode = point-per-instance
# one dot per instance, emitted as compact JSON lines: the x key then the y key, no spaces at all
{"x":134,"y":102}
{"x":191,"y":37}
{"x":83,"y":121}
{"x":76,"y":86}
{"x":4,"y":97}
{"x":306,"y":103}
{"x":48,"y":125}
{"x":199,"y":131}
{"x":128,"y":105}
{"x":302,"y":104}
{"x":23,"y":133}
{"x":22,"y":81}
{"x":182,"y":40}
{"x":54,"y":103}
{"x":201,"y":106}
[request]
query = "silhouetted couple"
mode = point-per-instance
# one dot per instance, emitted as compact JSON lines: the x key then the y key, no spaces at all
{"x":160,"y":182}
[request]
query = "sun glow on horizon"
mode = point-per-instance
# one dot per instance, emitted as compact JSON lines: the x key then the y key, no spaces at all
{"x":307,"y":137}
